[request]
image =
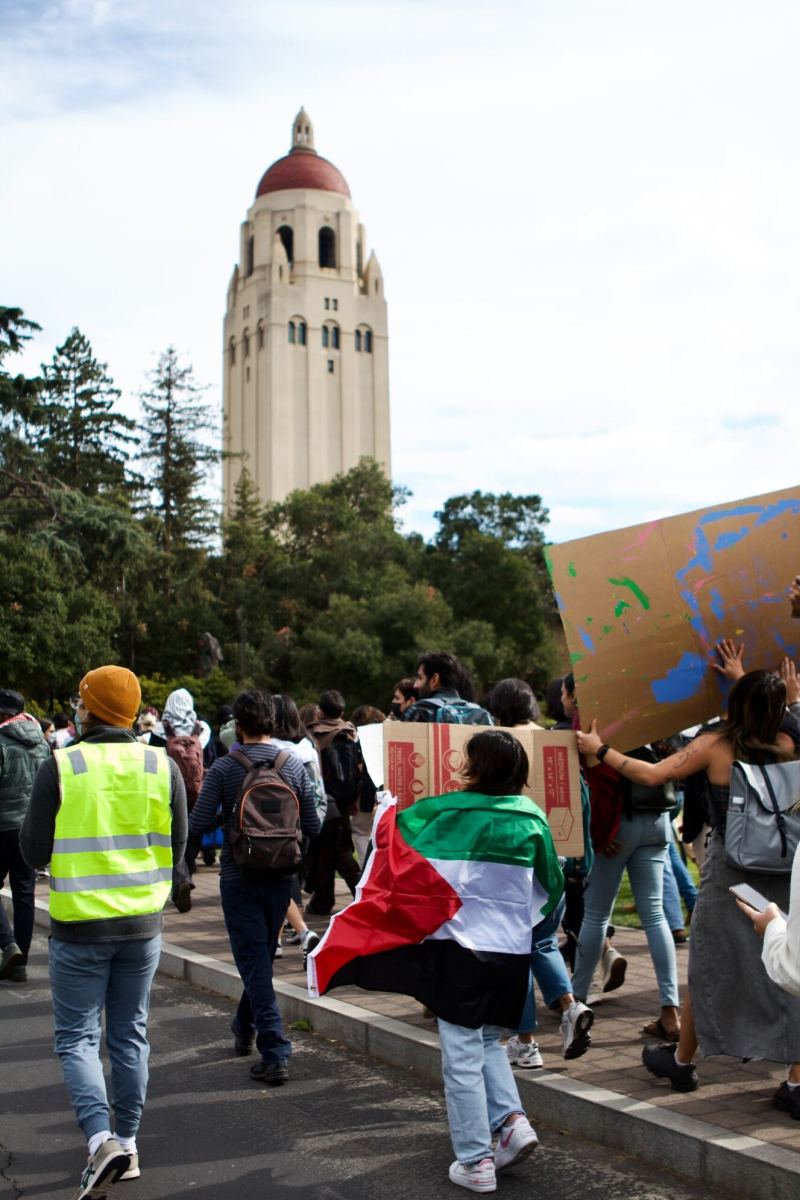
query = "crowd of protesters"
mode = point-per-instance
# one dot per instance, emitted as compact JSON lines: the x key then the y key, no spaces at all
{"x":117,"y":801}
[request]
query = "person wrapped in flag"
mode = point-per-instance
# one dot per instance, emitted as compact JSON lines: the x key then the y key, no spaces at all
{"x":444,"y":913}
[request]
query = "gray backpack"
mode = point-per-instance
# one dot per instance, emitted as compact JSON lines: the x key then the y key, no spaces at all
{"x":264,"y":828}
{"x":761,"y":830}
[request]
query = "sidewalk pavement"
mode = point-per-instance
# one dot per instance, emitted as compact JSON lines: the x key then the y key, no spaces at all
{"x":725,"y":1134}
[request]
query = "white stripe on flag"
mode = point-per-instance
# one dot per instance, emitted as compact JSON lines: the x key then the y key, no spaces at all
{"x":500,"y":905}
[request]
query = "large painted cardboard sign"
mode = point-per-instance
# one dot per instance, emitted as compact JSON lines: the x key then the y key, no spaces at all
{"x":427,"y":760}
{"x":643,"y":608}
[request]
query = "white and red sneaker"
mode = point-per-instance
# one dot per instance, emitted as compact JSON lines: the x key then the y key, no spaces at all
{"x":514,"y":1142}
{"x":475,"y":1177}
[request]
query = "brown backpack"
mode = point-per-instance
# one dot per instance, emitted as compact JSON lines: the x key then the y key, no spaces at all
{"x":186,"y":751}
{"x":264,"y":828}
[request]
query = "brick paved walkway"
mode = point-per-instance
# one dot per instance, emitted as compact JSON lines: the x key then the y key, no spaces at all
{"x":733,"y":1095}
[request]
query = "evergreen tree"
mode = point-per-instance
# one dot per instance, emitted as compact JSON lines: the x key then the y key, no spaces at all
{"x":83,"y":438}
{"x":19,"y":403}
{"x":178,"y":458}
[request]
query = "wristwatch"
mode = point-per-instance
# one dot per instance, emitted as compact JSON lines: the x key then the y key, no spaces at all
{"x":602,"y":752}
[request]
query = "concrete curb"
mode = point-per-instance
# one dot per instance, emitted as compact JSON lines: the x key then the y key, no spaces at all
{"x":703,"y":1153}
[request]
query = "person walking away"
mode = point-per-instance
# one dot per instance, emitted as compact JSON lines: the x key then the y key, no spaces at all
{"x":343,"y":776}
{"x":254,"y":901}
{"x":109,"y":815}
{"x":182,"y":732}
{"x":445,"y":693}
{"x":23,"y":748}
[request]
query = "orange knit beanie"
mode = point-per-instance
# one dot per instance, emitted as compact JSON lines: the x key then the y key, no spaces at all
{"x":112,"y":694}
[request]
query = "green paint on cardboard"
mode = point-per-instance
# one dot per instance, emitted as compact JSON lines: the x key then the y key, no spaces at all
{"x":607,"y":628}
{"x":620,"y":607}
{"x":575,"y":658}
{"x":589,"y":620}
{"x":548,"y":560}
{"x":581,"y":678}
{"x":571,"y":569}
{"x":643,"y":599}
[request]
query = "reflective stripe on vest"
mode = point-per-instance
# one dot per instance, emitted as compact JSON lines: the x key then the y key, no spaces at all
{"x":112,"y":851}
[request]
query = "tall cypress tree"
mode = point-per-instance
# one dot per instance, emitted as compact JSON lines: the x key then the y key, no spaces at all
{"x":84,"y":440}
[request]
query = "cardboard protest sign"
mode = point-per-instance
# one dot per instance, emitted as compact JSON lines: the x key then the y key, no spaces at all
{"x":644,"y":607}
{"x":426,"y":760}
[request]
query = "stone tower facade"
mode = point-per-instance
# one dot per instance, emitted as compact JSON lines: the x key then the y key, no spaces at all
{"x":305,"y":354}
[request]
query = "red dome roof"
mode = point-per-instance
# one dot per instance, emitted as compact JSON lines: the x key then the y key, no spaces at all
{"x":303,"y":169}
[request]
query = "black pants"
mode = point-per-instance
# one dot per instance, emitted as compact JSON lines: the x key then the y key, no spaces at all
{"x":23,"y":884}
{"x":331,"y":852}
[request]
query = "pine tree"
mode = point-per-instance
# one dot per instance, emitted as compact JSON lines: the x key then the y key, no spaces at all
{"x":178,"y":458}
{"x":82,"y":437}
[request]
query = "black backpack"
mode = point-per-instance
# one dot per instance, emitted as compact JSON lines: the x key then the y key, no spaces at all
{"x":341,"y":770}
{"x":264,"y":827}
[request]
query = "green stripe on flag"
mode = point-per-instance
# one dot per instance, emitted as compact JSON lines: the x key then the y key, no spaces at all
{"x":468,"y":825}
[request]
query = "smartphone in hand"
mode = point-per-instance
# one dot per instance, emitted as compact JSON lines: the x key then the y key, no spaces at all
{"x":748,"y":895}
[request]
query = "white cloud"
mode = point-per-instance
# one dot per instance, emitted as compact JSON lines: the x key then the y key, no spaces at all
{"x":586,"y":216}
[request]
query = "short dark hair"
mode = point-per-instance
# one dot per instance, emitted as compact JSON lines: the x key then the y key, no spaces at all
{"x":496,"y":764}
{"x":446,"y":666}
{"x":61,"y":720}
{"x":331,"y":703}
{"x":512,"y":702}
{"x":254,"y":713}
{"x":552,"y":698}
{"x":569,"y":684}
{"x":406,"y":687}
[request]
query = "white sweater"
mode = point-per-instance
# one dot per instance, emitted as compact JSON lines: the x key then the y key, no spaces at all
{"x":781,"y":953}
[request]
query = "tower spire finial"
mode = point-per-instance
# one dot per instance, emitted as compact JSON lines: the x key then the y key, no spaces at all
{"x":302,"y":134}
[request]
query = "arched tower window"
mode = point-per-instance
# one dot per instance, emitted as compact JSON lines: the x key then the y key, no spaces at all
{"x":335,"y":337}
{"x":260,"y":335}
{"x":327,"y":247}
{"x":358,"y":339}
{"x":325,"y":336}
{"x":232,"y":351}
{"x":292,"y":333}
{"x":301,"y":333}
{"x":251,"y":254}
{"x":368,"y":341}
{"x":287,"y":237}
{"x":331,"y":336}
{"x":246,"y":343}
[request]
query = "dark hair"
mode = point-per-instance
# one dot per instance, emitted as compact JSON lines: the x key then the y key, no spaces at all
{"x":331,"y":703}
{"x":569,"y":684}
{"x":224,"y":714}
{"x":254,"y":713}
{"x":367,"y":714}
{"x":496,"y":764}
{"x":756,"y":708}
{"x":512,"y":702}
{"x":446,"y":666}
{"x":407,"y":688}
{"x":45,"y":723}
{"x":552,"y":699}
{"x":287,"y":719}
{"x":61,"y":720}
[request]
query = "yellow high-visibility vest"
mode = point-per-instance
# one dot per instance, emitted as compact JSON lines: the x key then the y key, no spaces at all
{"x":112,"y":853}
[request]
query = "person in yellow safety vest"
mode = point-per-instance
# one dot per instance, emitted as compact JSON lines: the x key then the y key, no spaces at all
{"x":109,"y":815}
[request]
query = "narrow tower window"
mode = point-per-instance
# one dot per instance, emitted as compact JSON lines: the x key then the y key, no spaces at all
{"x":251,"y":254}
{"x":327,"y":247}
{"x":330,"y":366}
{"x":292,"y":333}
{"x":301,"y":333}
{"x":325,"y":336}
{"x":232,"y":351}
{"x":287,"y":237}
{"x":335,"y":337}
{"x":246,"y":343}
{"x":260,"y":335}
{"x":358,"y":339}
{"x":368,"y":341}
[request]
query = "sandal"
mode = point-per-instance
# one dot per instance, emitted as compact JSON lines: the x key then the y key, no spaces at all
{"x":656,"y":1029}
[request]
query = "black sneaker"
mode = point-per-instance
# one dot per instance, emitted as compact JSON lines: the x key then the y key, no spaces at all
{"x":19,"y":974}
{"x":660,"y":1061}
{"x":309,"y":944}
{"x":242,"y":1044}
{"x":787,"y":1100}
{"x":11,"y":957}
{"x":183,"y":896}
{"x":273,"y":1074}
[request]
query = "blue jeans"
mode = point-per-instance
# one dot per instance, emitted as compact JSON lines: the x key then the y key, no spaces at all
{"x":479,"y":1087}
{"x":85,"y":979}
{"x":254,"y":907}
{"x":677,"y":882}
{"x":643,"y":839}
{"x":686,"y":885}
{"x":547,"y":967}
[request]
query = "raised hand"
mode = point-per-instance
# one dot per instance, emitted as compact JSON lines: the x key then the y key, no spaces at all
{"x":789,"y":676}
{"x":730,"y":665}
{"x":589,"y":743}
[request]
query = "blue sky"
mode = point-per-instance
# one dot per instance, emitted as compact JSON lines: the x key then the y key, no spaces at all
{"x":586,"y":214}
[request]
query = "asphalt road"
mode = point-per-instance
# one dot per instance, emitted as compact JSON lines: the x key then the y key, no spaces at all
{"x":344,"y":1128}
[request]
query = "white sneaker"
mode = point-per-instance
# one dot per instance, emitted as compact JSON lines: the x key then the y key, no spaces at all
{"x":613,"y":966}
{"x":479,"y":1177}
{"x":523,"y":1054}
{"x":514,"y":1142}
{"x":278,"y":950}
{"x":576,"y":1022}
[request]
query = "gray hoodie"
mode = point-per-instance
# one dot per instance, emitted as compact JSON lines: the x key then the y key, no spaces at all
{"x":22,"y":751}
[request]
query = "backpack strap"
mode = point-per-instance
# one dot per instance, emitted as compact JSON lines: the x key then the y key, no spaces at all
{"x":241,"y":758}
{"x":779,"y":817}
{"x":282,"y":759}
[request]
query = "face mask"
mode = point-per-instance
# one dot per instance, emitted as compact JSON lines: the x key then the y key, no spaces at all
{"x":76,"y":721}
{"x":396,"y":709}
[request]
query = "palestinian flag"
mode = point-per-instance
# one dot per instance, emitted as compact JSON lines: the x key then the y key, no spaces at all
{"x":445,"y":908}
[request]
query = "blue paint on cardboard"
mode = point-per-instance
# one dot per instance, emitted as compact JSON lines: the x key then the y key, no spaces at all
{"x":587,"y":641}
{"x":682,"y":682}
{"x":717,"y":604}
{"x":725,"y":540}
